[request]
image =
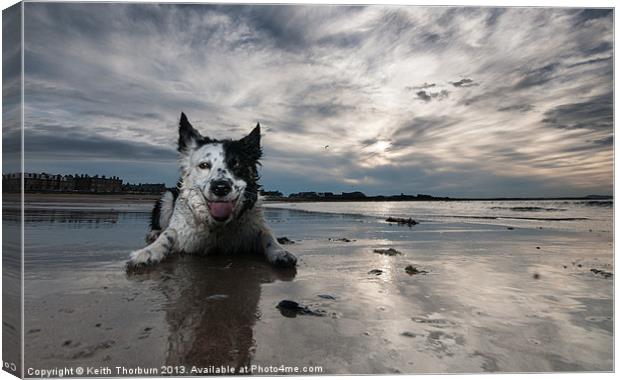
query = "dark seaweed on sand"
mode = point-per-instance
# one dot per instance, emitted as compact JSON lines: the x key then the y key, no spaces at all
{"x":284,"y":240}
{"x":411,"y":270}
{"x":344,"y":240}
{"x":601,"y":273}
{"x":389,"y":252}
{"x":291,"y":309}
{"x":402,"y":221}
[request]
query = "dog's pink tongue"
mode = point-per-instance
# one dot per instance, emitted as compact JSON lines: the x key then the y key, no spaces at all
{"x":221,"y":210}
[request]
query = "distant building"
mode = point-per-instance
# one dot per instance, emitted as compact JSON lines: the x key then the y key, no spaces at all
{"x":271,"y":193}
{"x":96,"y":184}
{"x":355,"y":194}
{"x":424,"y":196}
{"x":304,"y":195}
{"x":44,"y":182}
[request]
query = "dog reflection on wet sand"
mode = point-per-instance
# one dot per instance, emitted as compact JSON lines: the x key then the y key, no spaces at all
{"x":212,"y":307}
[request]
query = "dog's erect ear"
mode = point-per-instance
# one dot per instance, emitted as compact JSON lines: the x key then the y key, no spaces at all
{"x":251,"y":143}
{"x":188,"y":136}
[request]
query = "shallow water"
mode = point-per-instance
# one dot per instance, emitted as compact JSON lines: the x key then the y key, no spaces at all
{"x":491,"y":300}
{"x":577,"y":215}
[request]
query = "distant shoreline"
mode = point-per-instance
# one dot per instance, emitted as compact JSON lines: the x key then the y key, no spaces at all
{"x":387,"y":199}
{"x":149,"y":198}
{"x":81,"y":198}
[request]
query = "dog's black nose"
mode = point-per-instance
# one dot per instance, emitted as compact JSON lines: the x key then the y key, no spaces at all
{"x":220,"y":188}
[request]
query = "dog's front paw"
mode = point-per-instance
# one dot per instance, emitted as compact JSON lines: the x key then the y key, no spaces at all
{"x":140,"y":259}
{"x":283,"y":259}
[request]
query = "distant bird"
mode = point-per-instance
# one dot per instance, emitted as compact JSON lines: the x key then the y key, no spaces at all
{"x":326,"y":146}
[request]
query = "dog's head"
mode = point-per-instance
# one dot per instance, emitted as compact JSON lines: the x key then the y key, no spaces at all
{"x":223,"y":171}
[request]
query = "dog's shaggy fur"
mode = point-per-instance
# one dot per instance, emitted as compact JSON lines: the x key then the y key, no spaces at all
{"x":215,"y":207}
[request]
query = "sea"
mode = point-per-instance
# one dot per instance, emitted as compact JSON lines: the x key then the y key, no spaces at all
{"x":576,"y":215}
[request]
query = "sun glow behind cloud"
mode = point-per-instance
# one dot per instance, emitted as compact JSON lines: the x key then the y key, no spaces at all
{"x":447,"y":101}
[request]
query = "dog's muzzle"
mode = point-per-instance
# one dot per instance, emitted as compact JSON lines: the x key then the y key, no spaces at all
{"x":220,"y":188}
{"x":222,"y":209}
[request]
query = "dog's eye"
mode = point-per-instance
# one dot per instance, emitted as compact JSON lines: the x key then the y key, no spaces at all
{"x":204,"y":165}
{"x":235,"y":163}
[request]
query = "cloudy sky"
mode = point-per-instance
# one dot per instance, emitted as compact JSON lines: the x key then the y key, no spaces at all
{"x":472,"y":102}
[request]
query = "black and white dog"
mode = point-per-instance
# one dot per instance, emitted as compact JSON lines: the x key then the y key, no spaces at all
{"x":216,"y":207}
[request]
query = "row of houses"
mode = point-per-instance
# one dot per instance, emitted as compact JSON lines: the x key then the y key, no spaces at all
{"x":78,"y":183}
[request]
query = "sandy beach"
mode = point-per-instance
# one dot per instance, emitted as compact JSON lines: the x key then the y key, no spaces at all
{"x":493,"y":298}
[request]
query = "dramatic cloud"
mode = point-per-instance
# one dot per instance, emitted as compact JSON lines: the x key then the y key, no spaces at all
{"x":595,"y":113}
{"x":11,"y":89}
{"x":427,"y":96}
{"x":517,"y":108}
{"x":447,"y":101}
{"x":464,"y":83}
{"x":536,"y":77}
{"x":421,"y":87}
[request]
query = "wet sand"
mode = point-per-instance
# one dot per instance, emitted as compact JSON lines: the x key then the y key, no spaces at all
{"x":491,"y":301}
